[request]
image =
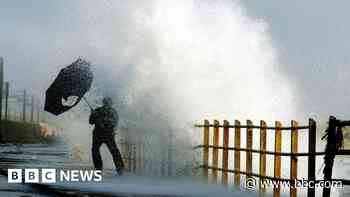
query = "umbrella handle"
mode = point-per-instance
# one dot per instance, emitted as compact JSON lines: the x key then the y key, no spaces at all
{"x":87,"y":102}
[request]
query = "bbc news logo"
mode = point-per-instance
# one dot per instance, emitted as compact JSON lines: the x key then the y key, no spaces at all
{"x":52,"y":175}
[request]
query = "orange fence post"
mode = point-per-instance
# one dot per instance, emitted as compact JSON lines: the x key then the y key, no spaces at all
{"x":312,"y":156}
{"x":215,"y":161}
{"x":206,"y":148}
{"x":277,"y":160}
{"x":249,"y":154}
{"x":226,"y":137}
{"x":294,"y":159}
{"x":262,"y":163}
{"x":237,"y":161}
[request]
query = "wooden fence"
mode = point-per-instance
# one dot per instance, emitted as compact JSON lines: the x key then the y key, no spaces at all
{"x":236,"y":128}
{"x":139,"y":159}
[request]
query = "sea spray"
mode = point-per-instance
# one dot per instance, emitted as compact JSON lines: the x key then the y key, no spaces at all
{"x":169,"y":65}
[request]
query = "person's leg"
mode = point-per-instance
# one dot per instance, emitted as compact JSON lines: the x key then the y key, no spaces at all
{"x":96,"y":155}
{"x":117,"y":158}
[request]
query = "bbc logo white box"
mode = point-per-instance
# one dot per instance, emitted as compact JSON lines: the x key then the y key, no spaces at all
{"x":14,"y":175}
{"x":31,"y":175}
{"x":48,"y":175}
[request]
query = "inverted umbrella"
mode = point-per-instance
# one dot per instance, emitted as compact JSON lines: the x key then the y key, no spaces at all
{"x":72,"y":83}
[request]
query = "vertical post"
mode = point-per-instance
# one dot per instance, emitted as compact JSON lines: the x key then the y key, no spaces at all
{"x":7,"y":88}
{"x":24,"y":106}
{"x":163,"y":164}
{"x":32,"y":110}
{"x":139,"y":155}
{"x":38,"y":112}
{"x":170,"y":154}
{"x":206,"y":148}
{"x":155,"y":164}
{"x":143,"y":158}
{"x":129,"y":156}
{"x":1,"y":84}
{"x":9,"y":114}
{"x":294,"y":159}
{"x":312,"y":156}
{"x":1,"y":90}
{"x":262,"y":163}
{"x":134,"y":157}
{"x":277,"y":160}
{"x":127,"y":150}
{"x":249,"y":154}
{"x":237,"y":161}
{"x":226,"y":138}
{"x":215,"y":150}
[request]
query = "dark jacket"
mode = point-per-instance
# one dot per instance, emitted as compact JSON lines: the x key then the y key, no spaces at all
{"x":105,"y":119}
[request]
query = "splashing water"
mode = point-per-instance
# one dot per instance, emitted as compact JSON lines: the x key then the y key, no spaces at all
{"x":170,"y":64}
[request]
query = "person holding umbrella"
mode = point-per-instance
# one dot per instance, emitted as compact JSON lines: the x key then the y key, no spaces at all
{"x":105,"y":119}
{"x":71,"y":84}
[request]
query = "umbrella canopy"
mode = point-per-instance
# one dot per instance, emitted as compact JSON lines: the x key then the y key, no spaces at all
{"x":71,"y":83}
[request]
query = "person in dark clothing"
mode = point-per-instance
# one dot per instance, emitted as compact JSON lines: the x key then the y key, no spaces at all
{"x":105,"y":119}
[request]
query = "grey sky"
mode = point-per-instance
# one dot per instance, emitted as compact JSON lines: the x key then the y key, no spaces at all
{"x":313,"y":41}
{"x":308,"y":32}
{"x":311,"y":38}
{"x":25,"y":25}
